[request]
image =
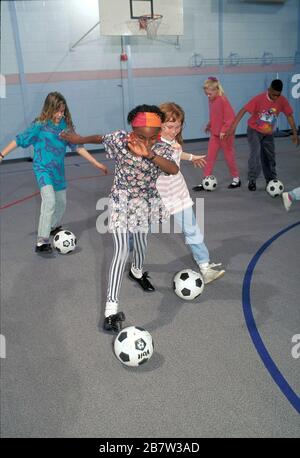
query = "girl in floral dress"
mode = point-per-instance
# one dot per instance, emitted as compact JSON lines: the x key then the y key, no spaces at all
{"x":134,"y":201}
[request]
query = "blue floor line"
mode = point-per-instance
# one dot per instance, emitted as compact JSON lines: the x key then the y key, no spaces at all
{"x":252,"y":328}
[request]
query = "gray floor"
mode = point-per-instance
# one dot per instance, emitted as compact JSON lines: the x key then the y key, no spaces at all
{"x":60,"y":377}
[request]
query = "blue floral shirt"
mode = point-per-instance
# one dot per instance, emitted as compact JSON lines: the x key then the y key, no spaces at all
{"x":134,"y":200}
{"x":49,"y":152}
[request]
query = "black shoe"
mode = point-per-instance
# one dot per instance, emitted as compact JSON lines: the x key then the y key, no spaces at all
{"x":252,"y":185}
{"x":56,"y":230}
{"x":113,"y":323}
{"x":143,"y":281}
{"x":235,"y":184}
{"x":44,"y":248}
{"x":198,"y":188}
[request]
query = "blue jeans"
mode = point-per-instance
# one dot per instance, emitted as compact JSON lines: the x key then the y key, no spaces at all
{"x":193,"y":237}
{"x":53,"y":207}
{"x":186,"y":221}
{"x":295,"y":194}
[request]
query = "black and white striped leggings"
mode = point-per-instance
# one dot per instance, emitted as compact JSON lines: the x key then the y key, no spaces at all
{"x":121,"y":252}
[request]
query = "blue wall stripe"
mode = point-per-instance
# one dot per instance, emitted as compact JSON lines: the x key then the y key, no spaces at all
{"x":252,"y":328}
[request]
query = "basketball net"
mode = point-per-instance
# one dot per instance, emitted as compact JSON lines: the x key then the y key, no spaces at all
{"x":150,"y":24}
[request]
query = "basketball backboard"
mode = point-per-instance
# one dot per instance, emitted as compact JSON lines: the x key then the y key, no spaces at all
{"x":120,"y":17}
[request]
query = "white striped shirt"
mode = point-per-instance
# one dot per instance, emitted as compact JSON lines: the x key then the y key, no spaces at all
{"x":172,"y":188}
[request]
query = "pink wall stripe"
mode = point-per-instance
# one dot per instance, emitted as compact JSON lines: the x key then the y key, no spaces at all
{"x":261,"y":68}
{"x":48,"y":77}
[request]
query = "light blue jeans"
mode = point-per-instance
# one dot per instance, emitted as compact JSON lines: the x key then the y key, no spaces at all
{"x":295,"y":194}
{"x":53,"y":207}
{"x":186,"y":221}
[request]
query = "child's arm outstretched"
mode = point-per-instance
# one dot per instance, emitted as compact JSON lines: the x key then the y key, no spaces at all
{"x":84,"y":153}
{"x":198,"y":161}
{"x":8,"y":148}
{"x":72,"y":137}
{"x":237,"y":119}
{"x":23,"y":140}
{"x":295,"y":138}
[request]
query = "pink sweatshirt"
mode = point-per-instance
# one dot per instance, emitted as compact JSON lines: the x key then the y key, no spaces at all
{"x":221,"y":115}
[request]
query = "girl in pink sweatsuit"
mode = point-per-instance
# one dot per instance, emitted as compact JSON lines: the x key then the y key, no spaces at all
{"x":221,"y":116}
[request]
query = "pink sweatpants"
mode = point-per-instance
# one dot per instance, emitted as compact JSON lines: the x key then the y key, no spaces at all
{"x":214,"y":145}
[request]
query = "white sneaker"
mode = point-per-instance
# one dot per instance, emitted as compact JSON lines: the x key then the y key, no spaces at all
{"x":286,"y":201}
{"x":210,"y":274}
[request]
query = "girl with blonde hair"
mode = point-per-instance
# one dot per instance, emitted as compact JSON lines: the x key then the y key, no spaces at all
{"x":48,"y":163}
{"x":221,"y":116}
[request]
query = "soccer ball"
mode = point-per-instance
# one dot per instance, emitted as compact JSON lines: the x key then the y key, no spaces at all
{"x":188,"y":284}
{"x":133,"y":346}
{"x":64,"y":242}
{"x":274,"y":188}
{"x":209,"y":183}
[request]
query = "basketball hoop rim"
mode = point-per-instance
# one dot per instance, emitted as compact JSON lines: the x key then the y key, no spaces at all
{"x":146,"y":19}
{"x":149,"y":17}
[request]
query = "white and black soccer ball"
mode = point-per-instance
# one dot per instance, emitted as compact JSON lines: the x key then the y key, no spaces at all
{"x":275,"y":188}
{"x":209,"y":183}
{"x":188,"y":284}
{"x":64,"y":242}
{"x":133,"y":346}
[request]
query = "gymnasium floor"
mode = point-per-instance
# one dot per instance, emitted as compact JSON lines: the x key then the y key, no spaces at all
{"x":223,"y":364}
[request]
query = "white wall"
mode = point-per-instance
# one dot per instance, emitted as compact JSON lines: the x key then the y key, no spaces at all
{"x":48,"y":28}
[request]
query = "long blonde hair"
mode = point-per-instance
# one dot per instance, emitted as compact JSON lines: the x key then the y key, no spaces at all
{"x":173,"y":112}
{"x":53,"y":103}
{"x":213,"y":83}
